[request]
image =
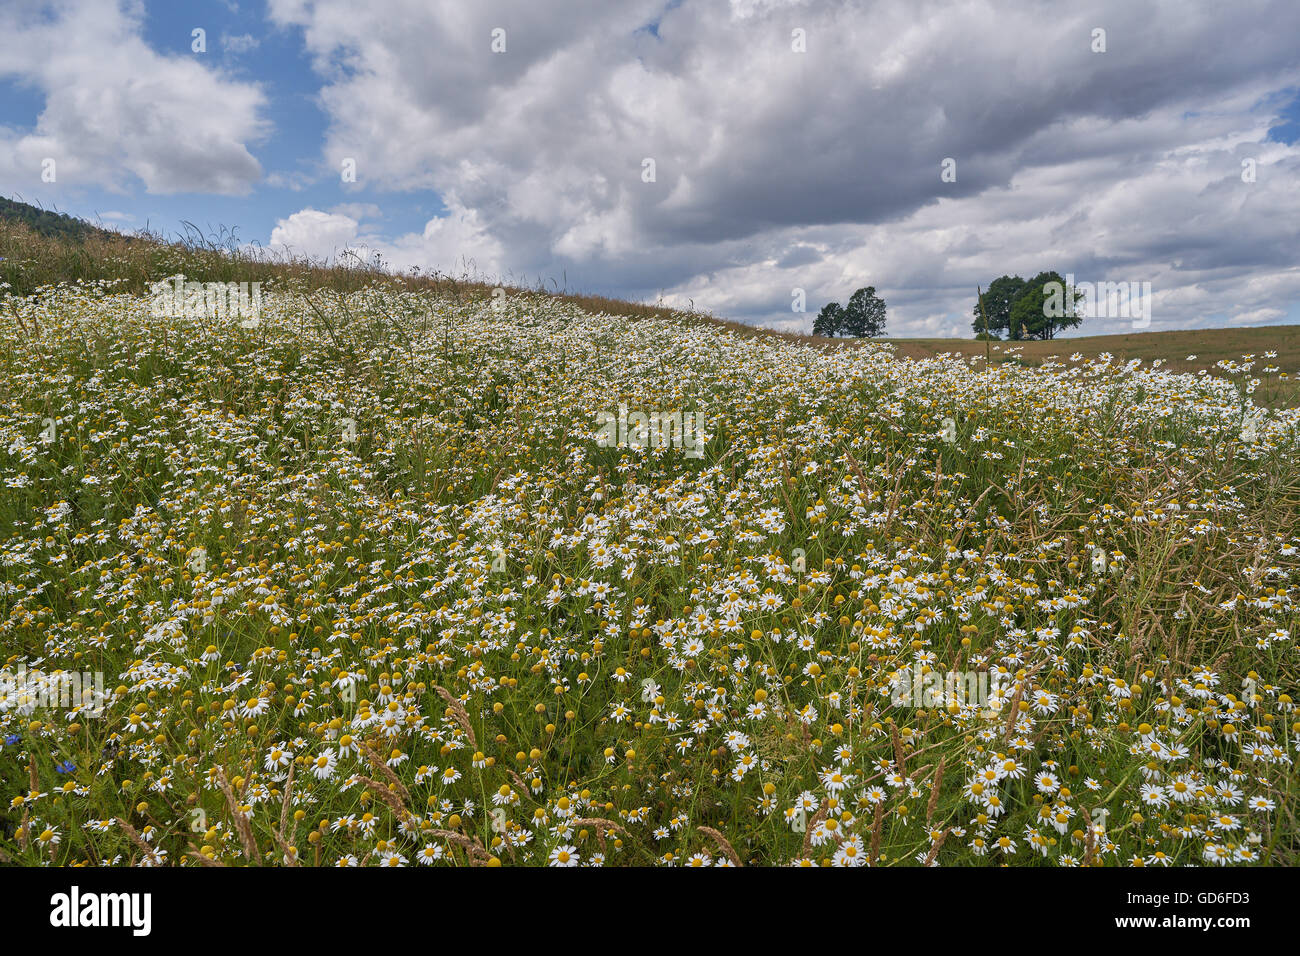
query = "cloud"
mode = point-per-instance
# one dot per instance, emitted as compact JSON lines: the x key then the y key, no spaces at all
{"x":776,"y":169}
{"x":452,"y":244}
{"x":1257,"y":317}
{"x":359,"y":210}
{"x":313,"y":234}
{"x":117,"y":112}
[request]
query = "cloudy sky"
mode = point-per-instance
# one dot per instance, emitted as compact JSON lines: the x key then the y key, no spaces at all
{"x":725,"y":153}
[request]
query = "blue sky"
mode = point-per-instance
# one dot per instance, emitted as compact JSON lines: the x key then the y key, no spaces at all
{"x":1288,"y":128}
{"x":290,"y":152}
{"x":776,"y":168}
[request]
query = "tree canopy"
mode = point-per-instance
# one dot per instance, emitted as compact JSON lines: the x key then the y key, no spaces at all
{"x":1040,"y":311}
{"x":1033,"y":309}
{"x":997,"y":301}
{"x":830,"y":321}
{"x":863,"y":317}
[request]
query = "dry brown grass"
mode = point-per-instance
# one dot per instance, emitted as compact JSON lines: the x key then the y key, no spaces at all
{"x":1210,"y":346}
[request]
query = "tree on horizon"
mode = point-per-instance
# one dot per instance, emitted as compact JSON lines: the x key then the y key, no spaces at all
{"x":864,"y":316}
{"x":830,"y":320}
{"x":1033,"y":315}
{"x":997,"y":301}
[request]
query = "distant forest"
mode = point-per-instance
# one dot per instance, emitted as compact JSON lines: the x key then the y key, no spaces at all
{"x":58,"y":225}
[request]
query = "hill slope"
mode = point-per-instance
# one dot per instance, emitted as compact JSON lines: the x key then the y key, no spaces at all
{"x":43,"y":222}
{"x":387,"y":543}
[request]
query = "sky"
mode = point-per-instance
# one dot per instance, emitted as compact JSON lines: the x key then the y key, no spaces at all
{"x":742,"y":157}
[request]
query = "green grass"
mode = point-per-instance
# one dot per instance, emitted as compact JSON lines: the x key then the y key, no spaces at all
{"x":825,"y":489}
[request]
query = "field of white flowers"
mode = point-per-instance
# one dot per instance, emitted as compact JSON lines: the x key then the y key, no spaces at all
{"x":365,"y":587}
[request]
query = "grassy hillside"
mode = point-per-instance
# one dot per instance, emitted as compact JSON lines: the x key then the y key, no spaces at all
{"x":368,"y":580}
{"x":39,"y":250}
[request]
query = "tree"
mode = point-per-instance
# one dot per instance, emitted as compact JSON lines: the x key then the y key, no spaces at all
{"x":1041,"y":308}
{"x":864,"y":316}
{"x":998,"y":298}
{"x":830,"y":320}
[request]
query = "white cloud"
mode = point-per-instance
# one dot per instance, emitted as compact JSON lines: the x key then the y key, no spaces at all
{"x":774,"y":169}
{"x":777,"y":169}
{"x":359,"y":210}
{"x":313,"y":234}
{"x":116,"y":111}
{"x":452,"y":244}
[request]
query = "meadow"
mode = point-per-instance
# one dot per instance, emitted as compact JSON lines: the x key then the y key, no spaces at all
{"x":365,"y":588}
